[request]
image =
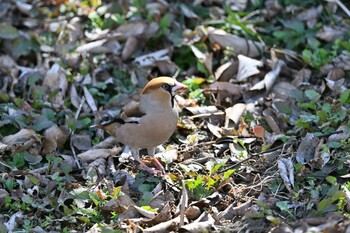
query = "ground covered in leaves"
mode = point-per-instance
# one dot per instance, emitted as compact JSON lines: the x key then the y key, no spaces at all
{"x":262,"y":143}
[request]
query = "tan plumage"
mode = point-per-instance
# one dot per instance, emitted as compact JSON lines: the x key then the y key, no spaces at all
{"x":152,"y":121}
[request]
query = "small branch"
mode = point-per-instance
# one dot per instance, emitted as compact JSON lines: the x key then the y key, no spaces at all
{"x":40,"y":170}
{"x":207,"y":115}
{"x":341,"y":5}
{"x":72,"y":133}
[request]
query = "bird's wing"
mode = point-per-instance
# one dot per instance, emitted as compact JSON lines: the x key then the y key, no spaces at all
{"x":132,"y":113}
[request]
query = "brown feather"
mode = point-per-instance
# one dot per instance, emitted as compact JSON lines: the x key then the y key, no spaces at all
{"x":157,"y":83}
{"x":132,"y":111}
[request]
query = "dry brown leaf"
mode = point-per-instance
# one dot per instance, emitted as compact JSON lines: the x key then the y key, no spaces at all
{"x":11,"y":224}
{"x":56,"y":80}
{"x":234,"y":113}
{"x":164,"y":215}
{"x":310,"y":15}
{"x":303,"y":76}
{"x":247,"y":67}
{"x":129,"y":48}
{"x":161,"y":198}
{"x":215,"y":130}
{"x":259,"y":131}
{"x":270,"y":78}
{"x":81,"y":141}
{"x":54,"y":138}
{"x":3,"y":147}
{"x":240,"y":45}
{"x":96,"y":47}
{"x":340,"y":136}
{"x":226,"y":71}
{"x":321,"y":158}
{"x":24,"y":7}
{"x":192,"y":212}
{"x":330,"y":33}
{"x":164,"y":226}
{"x":232,"y":89}
{"x":232,"y":211}
{"x":200,"y":226}
{"x":89,"y":99}
{"x":146,"y":213}
{"x":119,"y":204}
{"x":283,"y":90}
{"x":206,"y":58}
{"x":151,"y":58}
{"x":306,"y":149}
{"x":202,"y":110}
{"x":272,"y":120}
{"x":131,"y":29}
{"x":286,"y":170}
{"x":22,"y":140}
{"x":94,"y":154}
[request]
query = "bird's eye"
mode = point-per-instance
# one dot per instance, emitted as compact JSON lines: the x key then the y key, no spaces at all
{"x":166,"y":87}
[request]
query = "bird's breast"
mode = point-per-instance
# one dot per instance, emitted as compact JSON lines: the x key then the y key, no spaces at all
{"x":151,"y":131}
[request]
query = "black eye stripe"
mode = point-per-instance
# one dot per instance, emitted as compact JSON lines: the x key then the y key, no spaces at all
{"x":167,"y":87}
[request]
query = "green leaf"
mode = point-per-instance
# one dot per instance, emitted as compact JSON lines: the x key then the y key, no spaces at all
{"x":8,"y":31}
{"x":281,"y":34}
{"x":22,"y":47}
{"x":323,"y":204}
{"x":41,"y":122}
{"x":33,"y":179}
{"x":331,"y":179}
{"x":146,"y":207}
{"x":322,"y":115}
{"x":165,"y":22}
{"x":311,"y":106}
{"x":283,"y":107}
{"x":49,"y":114}
{"x":18,"y":159}
{"x":312,"y":94}
{"x":345,"y":97}
{"x":335,"y":144}
{"x":273,"y":219}
{"x":228,"y":173}
{"x":27,"y":199}
{"x":283,"y":206}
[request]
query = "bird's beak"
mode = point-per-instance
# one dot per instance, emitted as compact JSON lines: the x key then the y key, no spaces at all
{"x":179,"y":88}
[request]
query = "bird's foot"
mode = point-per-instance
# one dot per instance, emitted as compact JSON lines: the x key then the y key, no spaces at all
{"x":150,"y":170}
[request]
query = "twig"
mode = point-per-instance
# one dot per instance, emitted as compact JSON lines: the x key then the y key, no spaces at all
{"x":5,"y":165}
{"x":235,"y":165}
{"x":39,"y":170}
{"x":207,"y":115}
{"x":80,"y":107}
{"x":342,"y":6}
{"x":183,"y":203}
{"x":72,"y":133}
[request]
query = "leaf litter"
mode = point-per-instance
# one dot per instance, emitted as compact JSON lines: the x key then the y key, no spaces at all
{"x":263,"y":137}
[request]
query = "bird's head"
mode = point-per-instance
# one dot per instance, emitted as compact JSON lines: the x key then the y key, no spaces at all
{"x":161,"y":91}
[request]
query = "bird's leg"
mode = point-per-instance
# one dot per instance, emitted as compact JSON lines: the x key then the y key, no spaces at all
{"x":151,"y":153}
{"x":136,"y":155}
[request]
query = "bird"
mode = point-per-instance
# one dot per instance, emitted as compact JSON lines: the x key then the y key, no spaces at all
{"x":150,"y":122}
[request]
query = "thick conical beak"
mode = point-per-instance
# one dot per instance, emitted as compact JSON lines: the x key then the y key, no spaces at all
{"x":178,"y":88}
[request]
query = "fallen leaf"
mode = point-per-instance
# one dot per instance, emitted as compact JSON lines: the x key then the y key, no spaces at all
{"x":247,"y":67}
{"x":259,"y":131}
{"x":240,"y":45}
{"x":234,"y":113}
{"x":306,"y":149}
{"x":94,"y":154}
{"x":286,"y":170}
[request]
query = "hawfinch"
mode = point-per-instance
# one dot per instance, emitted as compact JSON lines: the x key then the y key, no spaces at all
{"x":150,"y":122}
